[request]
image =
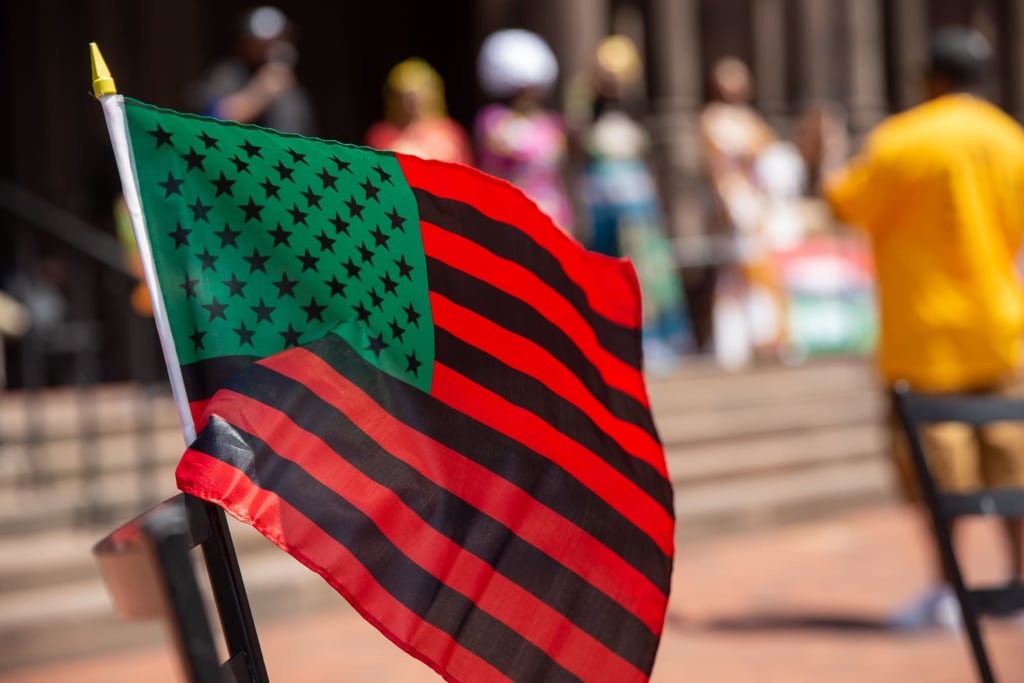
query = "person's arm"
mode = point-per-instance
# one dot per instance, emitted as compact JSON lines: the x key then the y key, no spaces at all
{"x":858,"y":192}
{"x":248,"y":104}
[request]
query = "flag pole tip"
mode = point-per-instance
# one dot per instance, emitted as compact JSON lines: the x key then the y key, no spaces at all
{"x":102,"y":81}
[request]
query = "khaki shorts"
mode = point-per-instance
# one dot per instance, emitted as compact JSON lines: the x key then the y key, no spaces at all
{"x":961,"y":457}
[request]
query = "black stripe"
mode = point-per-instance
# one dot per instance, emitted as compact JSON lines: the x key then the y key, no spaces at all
{"x":549,"y":484}
{"x":529,"y":393}
{"x":565,"y":591}
{"x":430,"y":598}
{"x":520,"y":318}
{"x":509,"y":242}
{"x":204,"y":377}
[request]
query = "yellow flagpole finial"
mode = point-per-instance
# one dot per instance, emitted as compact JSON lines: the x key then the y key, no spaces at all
{"x":102,"y":81}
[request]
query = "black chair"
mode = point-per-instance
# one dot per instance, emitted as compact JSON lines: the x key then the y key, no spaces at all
{"x":149,"y":573}
{"x":917,"y":410}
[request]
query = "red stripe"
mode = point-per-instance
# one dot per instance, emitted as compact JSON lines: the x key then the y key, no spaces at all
{"x":210,"y":479}
{"x":532,"y":521}
{"x":529,"y":358}
{"x":613,"y":279}
{"x":514,"y":279}
{"x":523,"y":426}
{"x":533,"y":619}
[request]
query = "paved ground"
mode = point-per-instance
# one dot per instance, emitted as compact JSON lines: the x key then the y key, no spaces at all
{"x":798,"y":604}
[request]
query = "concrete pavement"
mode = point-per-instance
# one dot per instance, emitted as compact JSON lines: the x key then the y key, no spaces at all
{"x":794,"y":604}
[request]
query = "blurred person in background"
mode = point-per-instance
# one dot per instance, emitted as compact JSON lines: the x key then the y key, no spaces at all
{"x":258,"y":84}
{"x":754,"y":179}
{"x":939,"y":190}
{"x":623,"y":212}
{"x":517,"y":138}
{"x":416,"y":118}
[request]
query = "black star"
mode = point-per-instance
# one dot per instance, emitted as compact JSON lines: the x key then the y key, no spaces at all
{"x":280,"y":235}
{"x":285,"y":287}
{"x":314,"y":311}
{"x":376,"y":344}
{"x":385,"y":177}
{"x":270,"y":188}
{"x":257,"y":261}
{"x":244,"y":334}
{"x":284,"y":171}
{"x":194,"y":160}
{"x":362,"y":314}
{"x":370,"y":190}
{"x":297,"y":158}
{"x":240,"y":164}
{"x":197,"y":338}
{"x":312,"y":198}
{"x":291,"y":336}
{"x":223,"y":185}
{"x":235,"y":286}
{"x":208,"y":141}
{"x":190,"y":287}
{"x":251,"y":209}
{"x":162,"y":136}
{"x":216,"y":309}
{"x":379,"y":237}
{"x":308,"y":261}
{"x":412,"y":317}
{"x":326,"y":243}
{"x":228,"y":236}
{"x":365,"y":253}
{"x":262,"y":311}
{"x":298,"y":215}
{"x":397,"y":332}
{"x":355,"y":209}
{"x":171,"y":186}
{"x":207,"y":258}
{"x":352,"y":268}
{"x":389,"y":284}
{"x":327,"y":179}
{"x":375,"y":299}
{"x":413,"y":365}
{"x":199,"y":210}
{"x":251,"y":149}
{"x":404,"y":269}
{"x":397,"y":222}
{"x":180,"y":236}
{"x":337,"y":287}
{"x":340,"y":224}
{"x":342,"y":165}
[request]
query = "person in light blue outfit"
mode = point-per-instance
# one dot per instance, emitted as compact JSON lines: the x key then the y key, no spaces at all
{"x":623,"y":209}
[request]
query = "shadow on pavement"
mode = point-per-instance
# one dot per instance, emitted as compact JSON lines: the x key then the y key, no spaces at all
{"x":783,"y":622}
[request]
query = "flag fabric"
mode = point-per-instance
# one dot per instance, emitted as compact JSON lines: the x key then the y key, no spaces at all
{"x":402,"y":373}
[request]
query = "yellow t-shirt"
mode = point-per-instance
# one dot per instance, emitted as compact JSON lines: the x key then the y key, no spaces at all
{"x":940,"y":190}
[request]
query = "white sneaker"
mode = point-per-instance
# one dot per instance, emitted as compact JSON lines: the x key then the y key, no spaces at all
{"x":936,"y":609}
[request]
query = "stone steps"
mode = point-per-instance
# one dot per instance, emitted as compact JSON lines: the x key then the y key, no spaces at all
{"x":746,"y":449}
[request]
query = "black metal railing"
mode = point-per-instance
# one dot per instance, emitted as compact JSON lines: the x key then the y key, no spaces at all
{"x":88,"y":394}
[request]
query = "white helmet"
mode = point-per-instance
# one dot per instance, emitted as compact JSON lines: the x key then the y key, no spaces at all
{"x":513,"y":59}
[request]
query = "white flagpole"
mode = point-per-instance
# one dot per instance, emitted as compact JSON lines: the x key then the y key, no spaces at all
{"x":113,"y":111}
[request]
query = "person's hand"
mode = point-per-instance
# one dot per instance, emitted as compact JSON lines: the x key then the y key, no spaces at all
{"x":273,"y":79}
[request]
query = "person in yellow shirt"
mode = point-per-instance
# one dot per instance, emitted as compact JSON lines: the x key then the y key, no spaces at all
{"x":940,"y":191}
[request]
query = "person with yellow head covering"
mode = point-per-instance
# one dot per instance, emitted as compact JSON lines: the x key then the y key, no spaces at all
{"x":624,"y":214}
{"x":416,"y":119}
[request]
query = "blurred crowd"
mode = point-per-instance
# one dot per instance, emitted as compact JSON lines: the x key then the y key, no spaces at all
{"x":586,"y":161}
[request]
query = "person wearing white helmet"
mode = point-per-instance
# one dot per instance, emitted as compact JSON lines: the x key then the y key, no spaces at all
{"x":258,"y":85}
{"x":516,"y":137}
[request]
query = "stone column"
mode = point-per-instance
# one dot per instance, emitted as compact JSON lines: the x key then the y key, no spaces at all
{"x":911,"y":54}
{"x":817,"y":53}
{"x":770,"y":57}
{"x":674,"y":66}
{"x":866,"y":45}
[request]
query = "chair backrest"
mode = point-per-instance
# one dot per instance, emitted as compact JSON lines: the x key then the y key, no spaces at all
{"x":917,"y":410}
{"x":149,"y":574}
